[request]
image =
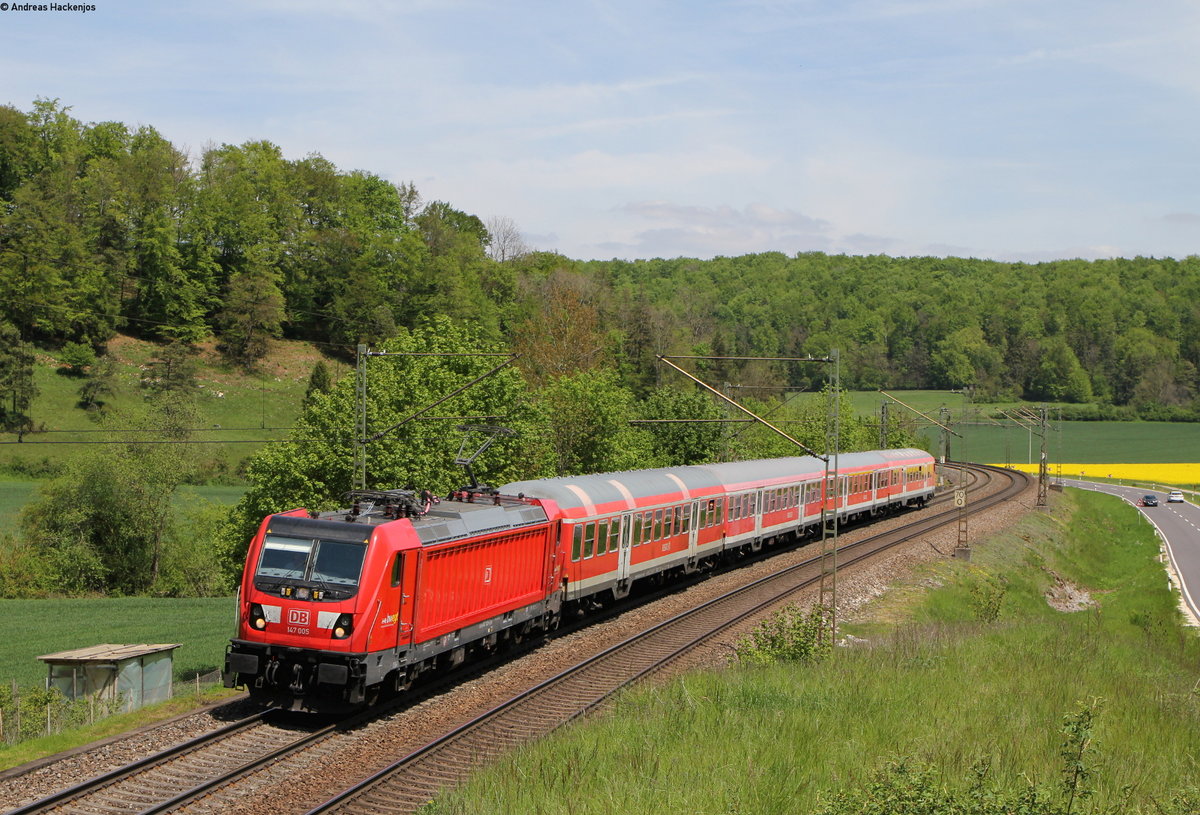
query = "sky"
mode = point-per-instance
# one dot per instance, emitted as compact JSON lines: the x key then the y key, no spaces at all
{"x":1016,"y":130}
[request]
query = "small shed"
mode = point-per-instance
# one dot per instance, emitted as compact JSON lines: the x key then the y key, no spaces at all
{"x":139,"y":674}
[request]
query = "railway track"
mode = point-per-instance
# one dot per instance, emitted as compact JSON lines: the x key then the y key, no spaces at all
{"x":171,"y":780}
{"x":166,"y":780}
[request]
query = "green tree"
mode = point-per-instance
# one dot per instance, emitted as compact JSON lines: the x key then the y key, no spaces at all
{"x":689,"y":432}
{"x":320,"y":381}
{"x":103,"y":525}
{"x":587,"y":418}
{"x":316,"y":467}
{"x":17,"y":388}
{"x":251,"y":219}
{"x":101,"y":382}
{"x":16,"y":150}
{"x":1058,"y":376}
{"x":253,"y":314}
{"x":78,"y":357}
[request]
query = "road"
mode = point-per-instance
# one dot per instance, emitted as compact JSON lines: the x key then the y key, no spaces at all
{"x":1179,"y":527}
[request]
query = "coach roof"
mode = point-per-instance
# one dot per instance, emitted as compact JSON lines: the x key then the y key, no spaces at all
{"x":590,"y":493}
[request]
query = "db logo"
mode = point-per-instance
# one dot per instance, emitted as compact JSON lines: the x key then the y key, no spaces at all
{"x":297,"y":616}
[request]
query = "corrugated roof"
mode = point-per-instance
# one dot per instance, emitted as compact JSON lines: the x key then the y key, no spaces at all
{"x":108,"y":653}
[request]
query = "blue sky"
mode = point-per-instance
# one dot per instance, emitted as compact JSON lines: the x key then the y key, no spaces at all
{"x":1010,"y":129}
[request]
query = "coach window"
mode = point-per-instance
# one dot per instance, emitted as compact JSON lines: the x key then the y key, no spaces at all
{"x":614,"y":535}
{"x":658,"y":524}
{"x":679,"y":530}
{"x":601,"y":537}
{"x":577,"y":543}
{"x":589,"y":540}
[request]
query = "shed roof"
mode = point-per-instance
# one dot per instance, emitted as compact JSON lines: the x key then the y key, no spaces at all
{"x":107,"y":653}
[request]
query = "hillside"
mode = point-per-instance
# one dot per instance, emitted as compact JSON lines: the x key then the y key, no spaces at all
{"x":240,"y":409}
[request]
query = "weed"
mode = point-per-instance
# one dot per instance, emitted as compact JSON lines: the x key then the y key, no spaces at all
{"x":789,"y":635}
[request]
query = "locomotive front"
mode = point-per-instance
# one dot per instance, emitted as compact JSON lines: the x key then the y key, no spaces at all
{"x":302,"y":627}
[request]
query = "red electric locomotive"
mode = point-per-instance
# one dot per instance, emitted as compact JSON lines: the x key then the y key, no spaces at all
{"x":335,"y":607}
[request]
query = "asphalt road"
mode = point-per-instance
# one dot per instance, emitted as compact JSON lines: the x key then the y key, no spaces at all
{"x":1179,"y":526}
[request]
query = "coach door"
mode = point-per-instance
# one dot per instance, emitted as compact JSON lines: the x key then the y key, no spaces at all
{"x":623,"y":553}
{"x":694,"y":529}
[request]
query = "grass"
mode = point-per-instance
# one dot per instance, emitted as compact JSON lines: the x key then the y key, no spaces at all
{"x":240,"y":410}
{"x":14,"y":755}
{"x":13,"y":496}
{"x":935,"y":685}
{"x":36,"y":627}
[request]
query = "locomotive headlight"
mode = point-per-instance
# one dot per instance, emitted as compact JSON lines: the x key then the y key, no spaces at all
{"x":258,"y":618}
{"x":343,"y":627}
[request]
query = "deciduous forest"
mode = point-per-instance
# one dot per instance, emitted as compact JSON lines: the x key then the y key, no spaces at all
{"x":108,"y":229}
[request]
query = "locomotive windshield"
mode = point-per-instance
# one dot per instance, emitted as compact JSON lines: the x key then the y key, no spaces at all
{"x":311,"y":560}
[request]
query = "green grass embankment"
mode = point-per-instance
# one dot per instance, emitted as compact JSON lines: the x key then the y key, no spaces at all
{"x":935,"y":685}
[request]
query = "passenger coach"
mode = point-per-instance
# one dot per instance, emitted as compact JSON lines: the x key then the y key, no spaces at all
{"x":622,"y":527}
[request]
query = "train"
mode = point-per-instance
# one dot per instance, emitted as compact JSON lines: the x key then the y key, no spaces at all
{"x":336,"y":608}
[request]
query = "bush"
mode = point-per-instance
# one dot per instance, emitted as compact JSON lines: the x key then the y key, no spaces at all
{"x":78,"y":357}
{"x":789,"y":635}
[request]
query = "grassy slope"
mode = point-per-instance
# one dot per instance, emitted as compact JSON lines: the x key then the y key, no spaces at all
{"x":240,"y":410}
{"x":935,"y":686}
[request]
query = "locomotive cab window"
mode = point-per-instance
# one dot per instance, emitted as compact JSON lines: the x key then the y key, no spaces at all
{"x":334,"y":565}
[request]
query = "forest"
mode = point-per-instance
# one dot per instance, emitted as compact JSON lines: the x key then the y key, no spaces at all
{"x":105,"y":228}
{"x":107,"y":231}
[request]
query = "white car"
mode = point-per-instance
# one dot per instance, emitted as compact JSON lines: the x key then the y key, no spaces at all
{"x":1176,"y":497}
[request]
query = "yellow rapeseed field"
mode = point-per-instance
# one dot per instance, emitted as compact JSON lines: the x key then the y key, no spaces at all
{"x":1181,"y":474}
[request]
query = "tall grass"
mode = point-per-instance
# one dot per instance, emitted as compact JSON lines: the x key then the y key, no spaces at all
{"x":944,"y":689}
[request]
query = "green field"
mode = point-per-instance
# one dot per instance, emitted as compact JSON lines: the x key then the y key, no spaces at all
{"x":36,"y":627}
{"x":1080,"y":442}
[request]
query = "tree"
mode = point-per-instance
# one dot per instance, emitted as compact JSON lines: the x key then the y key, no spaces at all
{"x":100,"y":383}
{"x":587,"y":418}
{"x":253,"y":314}
{"x":16,"y":150}
{"x":1058,"y":376}
{"x":104,"y":524}
{"x":319,"y":381}
{"x":78,"y":357}
{"x":316,"y":466}
{"x":561,"y":333}
{"x":685,"y":442}
{"x":506,"y":241}
{"x":17,"y":388}
{"x":172,"y":370}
